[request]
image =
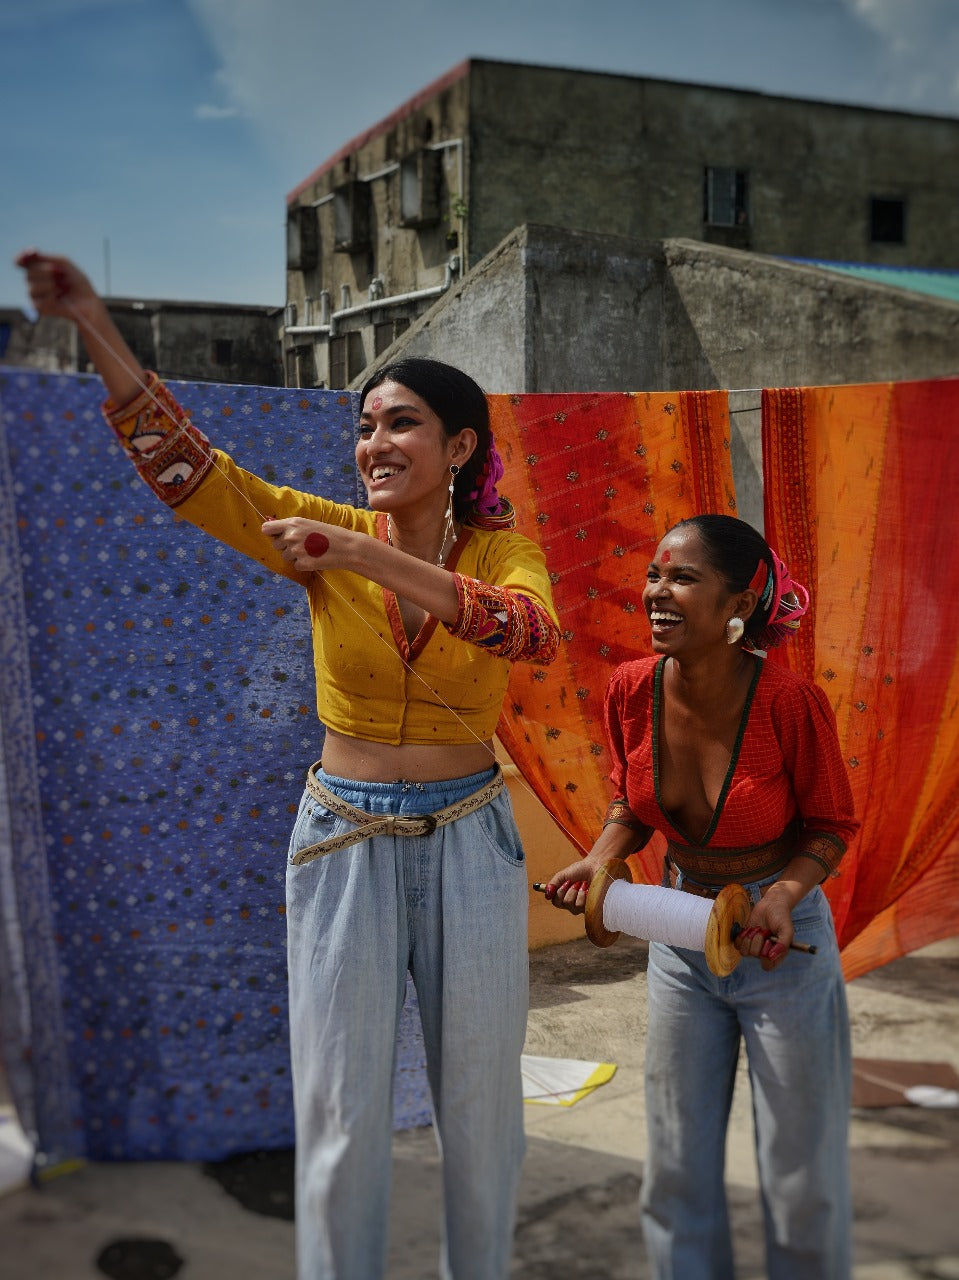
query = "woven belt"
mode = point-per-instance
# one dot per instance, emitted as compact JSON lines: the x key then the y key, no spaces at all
{"x":368,"y":825}
{"x":711,"y":869}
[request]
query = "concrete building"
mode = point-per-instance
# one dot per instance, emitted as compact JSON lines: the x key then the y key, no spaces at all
{"x":402,"y":213}
{"x":192,"y":341}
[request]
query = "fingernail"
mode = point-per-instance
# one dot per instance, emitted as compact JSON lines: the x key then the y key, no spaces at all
{"x":550,"y":891}
{"x":776,"y":951}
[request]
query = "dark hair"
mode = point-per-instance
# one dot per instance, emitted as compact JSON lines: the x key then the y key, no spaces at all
{"x":734,"y":549}
{"x":457,"y":401}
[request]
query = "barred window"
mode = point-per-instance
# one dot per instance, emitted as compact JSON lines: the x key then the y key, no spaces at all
{"x":725,"y":197}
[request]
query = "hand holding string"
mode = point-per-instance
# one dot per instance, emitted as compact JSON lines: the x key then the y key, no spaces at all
{"x":59,"y":289}
{"x":55,"y":285}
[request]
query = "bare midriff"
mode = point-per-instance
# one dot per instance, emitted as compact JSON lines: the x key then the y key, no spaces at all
{"x":366,"y":761}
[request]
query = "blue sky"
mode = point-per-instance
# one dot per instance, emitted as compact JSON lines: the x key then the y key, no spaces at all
{"x":172,"y":130}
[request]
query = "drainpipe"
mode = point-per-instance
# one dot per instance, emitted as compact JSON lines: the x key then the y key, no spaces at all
{"x":461,"y":184}
{"x":375,"y":304}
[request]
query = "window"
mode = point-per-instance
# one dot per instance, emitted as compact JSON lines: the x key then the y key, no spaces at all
{"x":386,"y":333}
{"x":420,"y":189}
{"x":725,"y":198}
{"x":347,"y":358}
{"x":305,"y":366}
{"x":351,"y":216}
{"x":302,"y":239}
{"x":4,"y":338}
{"x":222,"y":350}
{"x":887,"y":220}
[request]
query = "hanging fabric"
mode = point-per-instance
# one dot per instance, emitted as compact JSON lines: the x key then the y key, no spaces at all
{"x":861,"y":485}
{"x":597,"y":480}
{"x":158,"y":714}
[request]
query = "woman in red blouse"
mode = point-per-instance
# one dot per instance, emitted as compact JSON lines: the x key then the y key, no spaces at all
{"x":737,"y":762}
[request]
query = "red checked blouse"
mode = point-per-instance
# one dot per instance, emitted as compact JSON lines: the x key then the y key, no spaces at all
{"x":786,"y":776}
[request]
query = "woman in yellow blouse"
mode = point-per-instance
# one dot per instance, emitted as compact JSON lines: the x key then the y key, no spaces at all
{"x":404,"y":856}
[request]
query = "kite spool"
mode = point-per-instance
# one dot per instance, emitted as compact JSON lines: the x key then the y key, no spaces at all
{"x":615,"y":905}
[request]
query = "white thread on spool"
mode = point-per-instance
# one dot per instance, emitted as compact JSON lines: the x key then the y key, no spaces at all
{"x":679,"y":920}
{"x":657,"y":914}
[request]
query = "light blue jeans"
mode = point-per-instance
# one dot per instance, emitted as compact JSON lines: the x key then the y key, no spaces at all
{"x":450,"y":908}
{"x":796,"y":1031}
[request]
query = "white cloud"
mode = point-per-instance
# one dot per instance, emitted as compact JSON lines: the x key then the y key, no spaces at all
{"x":207,"y":111}
{"x":919,"y":40}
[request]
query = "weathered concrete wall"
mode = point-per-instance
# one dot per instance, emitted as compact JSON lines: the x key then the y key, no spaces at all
{"x":626,"y":156}
{"x":192,"y":341}
{"x":763,"y":322}
{"x":50,"y":345}
{"x":555,"y":310}
{"x":480,"y":325}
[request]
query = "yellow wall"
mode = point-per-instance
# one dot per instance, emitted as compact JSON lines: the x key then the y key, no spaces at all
{"x":547,"y":849}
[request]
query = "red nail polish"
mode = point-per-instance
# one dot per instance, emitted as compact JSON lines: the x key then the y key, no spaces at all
{"x":550,"y":891}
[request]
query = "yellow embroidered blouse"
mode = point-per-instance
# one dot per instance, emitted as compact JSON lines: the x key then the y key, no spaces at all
{"x":370,"y":682}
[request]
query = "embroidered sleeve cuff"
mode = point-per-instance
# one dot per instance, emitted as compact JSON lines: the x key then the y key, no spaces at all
{"x":620,"y":813}
{"x":825,"y":848}
{"x":505,"y":622}
{"x":169,"y":452}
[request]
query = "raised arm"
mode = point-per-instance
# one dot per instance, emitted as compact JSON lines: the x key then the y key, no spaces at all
{"x":59,"y":289}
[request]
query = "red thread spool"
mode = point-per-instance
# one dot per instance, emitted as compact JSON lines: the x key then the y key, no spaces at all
{"x":316,"y":544}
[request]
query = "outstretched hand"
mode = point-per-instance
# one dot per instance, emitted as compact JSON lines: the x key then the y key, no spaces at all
{"x":310,"y":545}
{"x":56,"y":286}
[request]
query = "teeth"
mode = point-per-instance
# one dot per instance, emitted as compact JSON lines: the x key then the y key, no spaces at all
{"x":380,"y":473}
{"x":658,"y":616}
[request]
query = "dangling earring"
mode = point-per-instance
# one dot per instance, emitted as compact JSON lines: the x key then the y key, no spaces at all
{"x":448,"y":527}
{"x":734,"y":630}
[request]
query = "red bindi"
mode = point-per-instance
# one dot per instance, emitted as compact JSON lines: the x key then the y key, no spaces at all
{"x":377,"y":402}
{"x":665,"y":557}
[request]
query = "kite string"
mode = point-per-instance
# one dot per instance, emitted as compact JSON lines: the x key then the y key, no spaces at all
{"x":210,"y":457}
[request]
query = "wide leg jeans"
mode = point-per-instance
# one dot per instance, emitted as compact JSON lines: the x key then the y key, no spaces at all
{"x":450,"y":908}
{"x":794,"y":1024}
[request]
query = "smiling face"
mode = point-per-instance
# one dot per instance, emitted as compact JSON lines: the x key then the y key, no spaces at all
{"x":687,"y":601}
{"x":403,"y":452}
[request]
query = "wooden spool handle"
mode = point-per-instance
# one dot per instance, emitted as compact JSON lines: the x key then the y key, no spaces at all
{"x":732,"y":907}
{"x":596,"y":931}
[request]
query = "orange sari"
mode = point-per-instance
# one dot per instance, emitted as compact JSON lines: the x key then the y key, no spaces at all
{"x":861,"y":486}
{"x":597,"y":480}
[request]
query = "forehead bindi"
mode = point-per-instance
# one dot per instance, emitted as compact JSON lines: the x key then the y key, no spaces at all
{"x":393,"y":398}
{"x":680,"y":552}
